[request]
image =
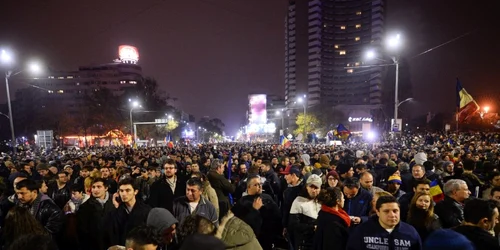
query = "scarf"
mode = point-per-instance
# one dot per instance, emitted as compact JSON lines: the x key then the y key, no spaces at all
{"x":339,"y":212}
{"x":103,"y":201}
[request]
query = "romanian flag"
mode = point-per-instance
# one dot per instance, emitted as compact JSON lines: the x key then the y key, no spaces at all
{"x":285,"y":142}
{"x":465,"y":104}
{"x":436,"y":192}
{"x":342,"y":132}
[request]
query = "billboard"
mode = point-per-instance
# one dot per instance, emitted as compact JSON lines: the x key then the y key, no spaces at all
{"x":128,"y":54}
{"x":258,"y":111}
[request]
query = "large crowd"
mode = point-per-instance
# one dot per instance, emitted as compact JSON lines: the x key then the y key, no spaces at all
{"x":427,"y":191}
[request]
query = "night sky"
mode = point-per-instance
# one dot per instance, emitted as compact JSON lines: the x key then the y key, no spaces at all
{"x":210,"y":54}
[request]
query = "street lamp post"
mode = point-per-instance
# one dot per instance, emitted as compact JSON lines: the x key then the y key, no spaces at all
{"x":134,"y":104}
{"x":282,"y":120}
{"x":7,"y":58}
{"x":304,"y":104}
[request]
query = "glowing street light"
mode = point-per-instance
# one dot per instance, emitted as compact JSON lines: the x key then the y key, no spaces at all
{"x":370,"y":54}
{"x":134,"y":104}
{"x":7,"y":59}
{"x":486,"y":109}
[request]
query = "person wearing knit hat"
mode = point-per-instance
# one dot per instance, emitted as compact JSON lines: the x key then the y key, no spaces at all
{"x":344,"y":171}
{"x":314,"y":180}
{"x":447,"y":239}
{"x":164,"y":222}
{"x":306,"y":159}
{"x":448,"y":168}
{"x":420,"y":158}
{"x":393,"y":186}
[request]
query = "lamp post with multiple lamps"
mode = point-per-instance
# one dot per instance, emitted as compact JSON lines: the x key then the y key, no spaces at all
{"x":133,"y":105}
{"x":7,"y":59}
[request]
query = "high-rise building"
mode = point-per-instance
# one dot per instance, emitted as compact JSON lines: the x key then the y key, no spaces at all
{"x":325,"y":41}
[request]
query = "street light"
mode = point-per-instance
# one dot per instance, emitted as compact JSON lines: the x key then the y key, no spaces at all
{"x":486,"y":109}
{"x":282,"y":120}
{"x":133,"y":105}
{"x":7,"y":58}
{"x":406,"y":100}
{"x":303,"y":101}
{"x":394,"y":43}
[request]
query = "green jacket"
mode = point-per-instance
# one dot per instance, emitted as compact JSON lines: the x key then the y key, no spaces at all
{"x":236,"y":234}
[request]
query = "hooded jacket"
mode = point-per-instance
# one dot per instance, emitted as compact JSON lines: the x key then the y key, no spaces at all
{"x":481,"y":238}
{"x":359,"y":205}
{"x":236,"y":234}
{"x":370,"y":235}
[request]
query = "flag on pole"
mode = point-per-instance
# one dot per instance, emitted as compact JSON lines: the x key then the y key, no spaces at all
{"x":436,"y":192}
{"x":229,"y":163}
{"x":285,"y":142}
{"x":466,"y":106}
{"x":342,"y":132}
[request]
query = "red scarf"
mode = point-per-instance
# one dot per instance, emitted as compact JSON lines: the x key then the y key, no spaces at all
{"x":339,"y":212}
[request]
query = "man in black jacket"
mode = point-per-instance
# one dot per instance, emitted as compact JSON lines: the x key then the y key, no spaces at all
{"x":129,"y":214}
{"x":40,"y":206}
{"x":59,"y":190}
{"x":480,"y":217}
{"x":167,"y":188}
{"x":221,"y":185}
{"x":91,"y":214}
{"x":272,"y":185}
{"x":451,"y":209}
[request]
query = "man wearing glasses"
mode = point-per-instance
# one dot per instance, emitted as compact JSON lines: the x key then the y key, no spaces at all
{"x":167,"y":188}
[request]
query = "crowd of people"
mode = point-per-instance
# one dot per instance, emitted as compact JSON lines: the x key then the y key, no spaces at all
{"x":430,"y":191}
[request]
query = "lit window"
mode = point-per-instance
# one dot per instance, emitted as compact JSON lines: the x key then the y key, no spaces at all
{"x":60,"y":91}
{"x":69,"y":77}
{"x":350,"y":70}
{"x":133,"y":82}
{"x":324,"y":25}
{"x":77,"y":84}
{"x":51,"y":91}
{"x":342,"y":52}
{"x":358,"y":13}
{"x":357,"y":38}
{"x":336,"y":46}
{"x":122,"y":82}
{"x":51,"y":77}
{"x":358,"y":26}
{"x":61,"y":77}
{"x":357,"y":64}
{"x":348,"y":64}
{"x":342,"y":27}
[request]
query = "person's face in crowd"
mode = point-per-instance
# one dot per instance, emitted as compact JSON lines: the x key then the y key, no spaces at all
{"x":157,"y":173}
{"x":350,"y":192}
{"x":62,"y":178}
{"x":243,"y":169}
{"x":350,"y":173}
{"x":418,"y":172}
{"x":450,"y":168}
{"x":446,"y":158}
{"x":99,"y":190}
{"x":394,"y":157}
{"x":274,"y":161}
{"x":476,"y":158}
{"x":423,"y":202}
{"x":151,"y":172}
{"x":208,"y":162}
{"x":336,"y":157}
{"x":422,"y":188}
{"x":195,"y":158}
{"x":388,"y":215}
{"x":332,"y":181}
{"x":43,"y":189}
{"x":76,"y":196}
{"x":254,"y":187}
{"x":170,"y":170}
{"x":189,"y":168}
{"x":245,"y":158}
{"x":393,"y":187}
{"x":292,"y":160}
{"x":367,"y":181}
{"x":258,"y":162}
{"x":195,"y":168}
{"x":84,"y":173}
{"x":316,"y":156}
{"x":341,"y":201}
{"x":43,"y":172}
{"x":374,"y":201}
{"x":26,"y":196}
{"x":264,"y":168}
{"x":101,"y":162}
{"x":193,"y":193}
{"x":53,"y":169}
{"x":127,"y":193}
{"x":489,"y":223}
{"x":290,"y":178}
{"x":27,"y":168}
{"x":119,"y":164}
{"x":144,"y":174}
{"x":359,"y":171}
{"x":496,"y":196}
{"x":287,"y":161}
{"x":462,"y":193}
{"x":496,"y":181}
{"x":32,"y":164}
{"x":313,"y":191}
{"x":105,"y":173}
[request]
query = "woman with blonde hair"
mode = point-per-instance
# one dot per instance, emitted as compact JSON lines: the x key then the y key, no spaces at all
{"x":421,"y":215}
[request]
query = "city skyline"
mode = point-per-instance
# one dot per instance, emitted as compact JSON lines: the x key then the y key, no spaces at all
{"x":212,"y":54}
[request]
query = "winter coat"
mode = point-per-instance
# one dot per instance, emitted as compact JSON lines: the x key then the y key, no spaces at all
{"x":222,"y":188}
{"x":289,"y":195}
{"x":236,"y":234}
{"x":359,"y":205}
{"x":181,"y":210}
{"x":90,"y":222}
{"x":331,"y":233}
{"x":161,"y":194}
{"x":210,"y":194}
{"x":426,"y":230}
{"x":120,"y":222}
{"x":303,"y":215}
{"x":59,"y":196}
{"x":450,"y":212}
{"x":370,"y":235}
{"x":48,"y":214}
{"x":481,"y":238}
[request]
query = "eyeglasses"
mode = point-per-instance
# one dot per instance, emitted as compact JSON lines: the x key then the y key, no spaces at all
{"x":170,"y":168}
